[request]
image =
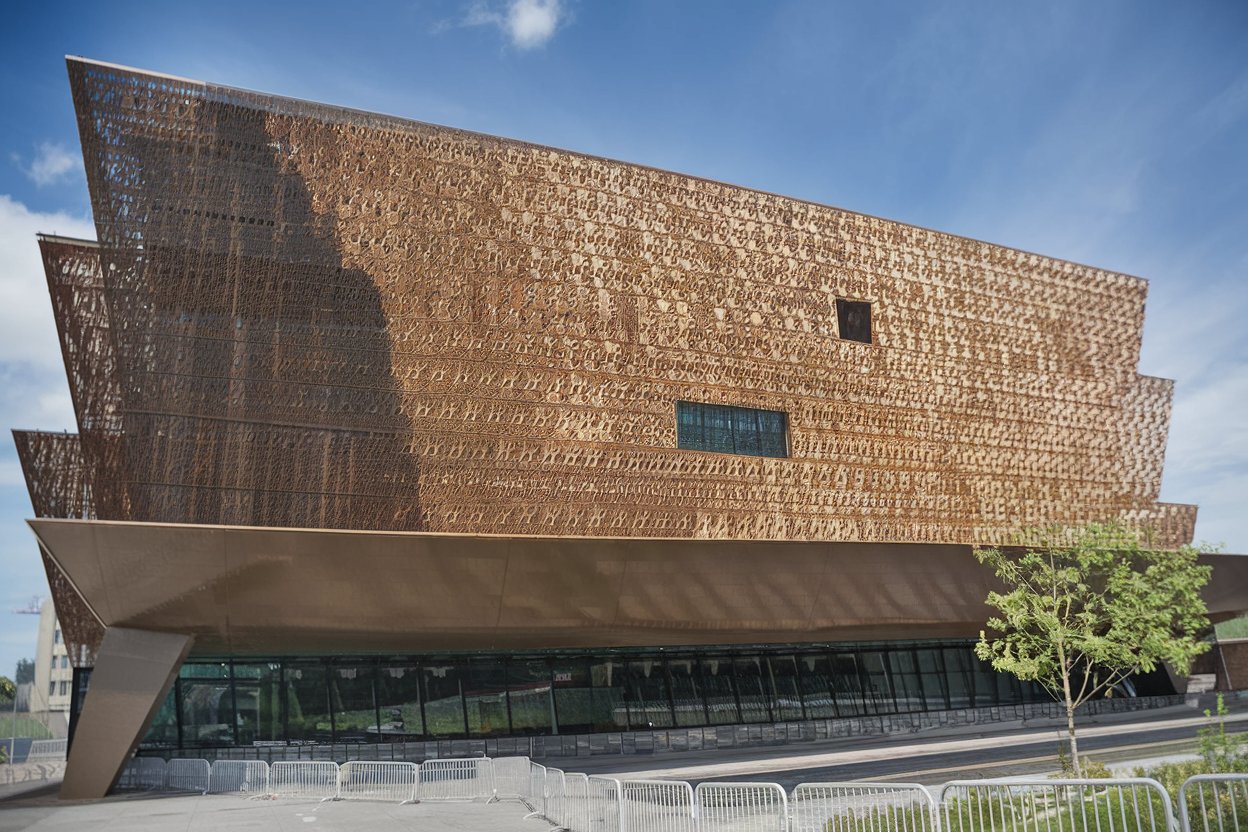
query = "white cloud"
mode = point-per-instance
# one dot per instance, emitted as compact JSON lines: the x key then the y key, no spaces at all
{"x":527,"y":23}
{"x":27,"y":331}
{"x":53,"y":163}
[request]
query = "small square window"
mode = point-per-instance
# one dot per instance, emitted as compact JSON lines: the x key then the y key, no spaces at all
{"x":853,"y":319}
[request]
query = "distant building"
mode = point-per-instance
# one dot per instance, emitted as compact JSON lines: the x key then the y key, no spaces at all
{"x":390,"y":431}
{"x":51,"y":691}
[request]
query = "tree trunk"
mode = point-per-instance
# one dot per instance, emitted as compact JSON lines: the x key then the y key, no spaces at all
{"x":1074,"y":743}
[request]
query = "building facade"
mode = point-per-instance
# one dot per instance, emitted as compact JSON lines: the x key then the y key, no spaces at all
{"x":507,"y":439}
{"x":52,"y":688}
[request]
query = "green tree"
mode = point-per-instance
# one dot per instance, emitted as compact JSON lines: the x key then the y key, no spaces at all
{"x":1084,"y":608}
{"x":7,"y":689}
{"x":25,"y":671}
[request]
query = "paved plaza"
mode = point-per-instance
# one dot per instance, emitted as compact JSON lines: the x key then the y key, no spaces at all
{"x":218,"y":813}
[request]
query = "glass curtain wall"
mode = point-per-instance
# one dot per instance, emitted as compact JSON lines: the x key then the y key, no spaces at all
{"x":362,"y":699}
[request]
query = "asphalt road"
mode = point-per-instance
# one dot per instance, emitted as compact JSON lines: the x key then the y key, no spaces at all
{"x":1008,"y":759}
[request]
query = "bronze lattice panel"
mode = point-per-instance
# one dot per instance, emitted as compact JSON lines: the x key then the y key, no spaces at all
{"x":55,"y":473}
{"x":329,"y":318}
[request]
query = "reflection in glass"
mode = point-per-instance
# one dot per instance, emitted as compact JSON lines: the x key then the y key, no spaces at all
{"x":686,"y":691}
{"x":207,"y":705}
{"x":907,"y":688}
{"x":532,"y":707}
{"x":719,"y":692}
{"x":648,"y":703}
{"x":813,"y":675}
{"x":610,"y":709}
{"x":398,"y":699}
{"x":355,"y":707}
{"x":751,"y":690}
{"x":444,"y":700}
{"x":257,"y":694}
{"x":787,"y":704}
{"x":574,"y":697}
{"x":935,"y":686}
{"x":307,"y":703}
{"x":847,"y":685}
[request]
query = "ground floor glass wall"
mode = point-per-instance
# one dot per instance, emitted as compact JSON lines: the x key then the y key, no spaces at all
{"x":354,"y":699}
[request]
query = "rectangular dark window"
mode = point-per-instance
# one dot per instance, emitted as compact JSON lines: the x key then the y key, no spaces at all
{"x":731,"y":430}
{"x":853,"y":319}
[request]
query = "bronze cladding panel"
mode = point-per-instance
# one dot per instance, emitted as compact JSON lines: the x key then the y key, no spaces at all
{"x":327,"y":318}
{"x":255,"y":591}
{"x":247,"y":591}
{"x":133,"y":673}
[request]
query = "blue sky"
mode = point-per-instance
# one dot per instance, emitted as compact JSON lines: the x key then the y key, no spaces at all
{"x":1110,"y":133}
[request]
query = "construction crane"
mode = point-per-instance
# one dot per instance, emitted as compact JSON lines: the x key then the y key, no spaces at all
{"x":30,"y":609}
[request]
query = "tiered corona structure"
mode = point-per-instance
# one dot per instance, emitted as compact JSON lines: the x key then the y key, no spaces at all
{"x":299,"y":316}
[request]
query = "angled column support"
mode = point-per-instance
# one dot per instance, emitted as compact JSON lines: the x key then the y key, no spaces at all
{"x":134,"y":670}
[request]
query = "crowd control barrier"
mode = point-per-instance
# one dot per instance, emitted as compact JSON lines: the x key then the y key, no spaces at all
{"x":656,"y":806}
{"x":239,"y":777}
{"x":511,"y":777}
{"x":849,"y":807}
{"x":143,"y":774}
{"x":741,"y":807}
{"x":603,"y":798}
{"x":1214,"y":803}
{"x":464,"y":779}
{"x":577,"y":803}
{"x":554,"y":797}
{"x":305,"y":779}
{"x":47,"y":751}
{"x":390,"y":782}
{"x":185,"y":775}
{"x":1118,"y":805}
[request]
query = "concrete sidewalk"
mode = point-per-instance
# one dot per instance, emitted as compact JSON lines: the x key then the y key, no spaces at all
{"x":219,"y":813}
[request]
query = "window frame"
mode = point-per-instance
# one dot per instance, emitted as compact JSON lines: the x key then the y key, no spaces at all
{"x":728,"y":412}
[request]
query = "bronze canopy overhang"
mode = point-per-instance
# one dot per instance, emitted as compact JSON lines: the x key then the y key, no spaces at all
{"x":256,"y":591}
{"x":162,"y":591}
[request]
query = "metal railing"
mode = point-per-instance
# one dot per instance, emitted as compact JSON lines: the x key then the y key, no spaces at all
{"x":603,"y":798}
{"x":188,"y":775}
{"x":306,"y":779}
{"x":850,"y":807}
{"x":575,"y":802}
{"x":143,"y":774}
{"x":47,"y":751}
{"x":391,"y":782}
{"x":511,"y":777}
{"x":464,"y":779}
{"x":656,"y":806}
{"x":1214,"y":803}
{"x":1118,"y":805}
{"x":741,"y":807}
{"x":239,"y":777}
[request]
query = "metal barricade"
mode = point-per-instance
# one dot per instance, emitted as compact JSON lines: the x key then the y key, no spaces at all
{"x":656,"y":806}
{"x":142,"y":773}
{"x":536,"y":796}
{"x":188,"y":775}
{"x":306,"y":779}
{"x":575,"y":801}
{"x":1118,"y":805}
{"x":463,"y":779}
{"x":741,"y":807}
{"x":555,"y":808}
{"x":511,"y":777}
{"x":603,"y":804}
{"x":239,"y":777}
{"x":47,"y":751}
{"x":1214,"y":803}
{"x":363,"y":780}
{"x":863,"y":807}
